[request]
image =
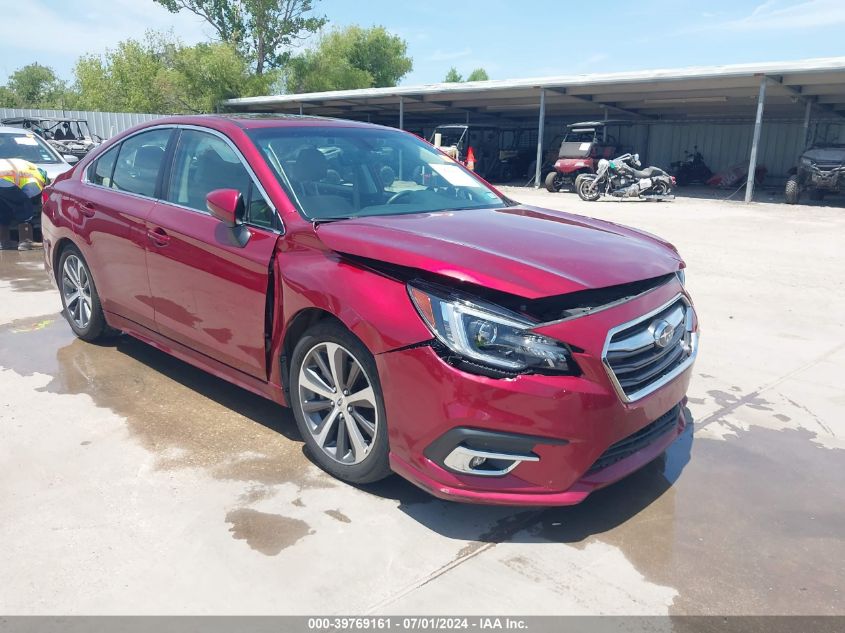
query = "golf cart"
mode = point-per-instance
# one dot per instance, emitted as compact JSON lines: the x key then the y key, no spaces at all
{"x":582,"y":147}
{"x":68,"y":136}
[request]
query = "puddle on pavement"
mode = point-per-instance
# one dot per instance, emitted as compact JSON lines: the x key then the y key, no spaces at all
{"x":24,"y":271}
{"x":340,"y":516}
{"x":186,"y":416}
{"x":266,"y":533}
{"x":752,"y":524}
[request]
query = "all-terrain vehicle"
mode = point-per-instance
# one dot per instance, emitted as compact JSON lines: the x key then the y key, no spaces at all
{"x":68,"y":136}
{"x":821,"y":170}
{"x":583,"y":146}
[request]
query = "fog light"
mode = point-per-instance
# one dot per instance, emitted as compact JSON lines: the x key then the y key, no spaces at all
{"x":476,"y":462}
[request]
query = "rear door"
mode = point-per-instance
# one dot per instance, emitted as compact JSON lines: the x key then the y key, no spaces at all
{"x":210,"y":294}
{"x":116,"y":197}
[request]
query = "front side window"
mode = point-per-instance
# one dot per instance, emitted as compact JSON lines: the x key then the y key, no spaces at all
{"x":204,"y":162}
{"x":338,"y":173}
{"x":27,"y":146}
{"x":139,"y":161}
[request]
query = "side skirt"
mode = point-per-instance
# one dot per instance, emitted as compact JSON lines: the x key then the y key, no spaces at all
{"x":192,"y":357}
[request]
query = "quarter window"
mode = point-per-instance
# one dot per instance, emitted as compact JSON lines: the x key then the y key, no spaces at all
{"x":101,"y":172}
{"x":139,"y":162}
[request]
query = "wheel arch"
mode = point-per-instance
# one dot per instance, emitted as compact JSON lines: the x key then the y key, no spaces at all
{"x":298,"y":324}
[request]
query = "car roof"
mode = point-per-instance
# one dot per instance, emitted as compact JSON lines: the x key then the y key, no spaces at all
{"x":248,"y":121}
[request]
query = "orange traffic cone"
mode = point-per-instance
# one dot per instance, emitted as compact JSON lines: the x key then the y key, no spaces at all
{"x":471,"y":160}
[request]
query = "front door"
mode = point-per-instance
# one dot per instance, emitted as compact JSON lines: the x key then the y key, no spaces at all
{"x":210,"y":294}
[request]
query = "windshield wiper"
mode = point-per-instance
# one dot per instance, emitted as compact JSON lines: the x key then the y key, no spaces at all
{"x":332,"y":218}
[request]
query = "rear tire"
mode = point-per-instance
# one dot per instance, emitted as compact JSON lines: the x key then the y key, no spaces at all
{"x":80,"y":300}
{"x":336,"y":397}
{"x":554,"y":182}
{"x":583,"y":188}
{"x":792,"y":191}
{"x":660,"y":188}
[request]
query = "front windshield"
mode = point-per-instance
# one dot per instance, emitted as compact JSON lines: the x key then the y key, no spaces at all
{"x":579,"y":136}
{"x":28,"y":147}
{"x":338,"y":173}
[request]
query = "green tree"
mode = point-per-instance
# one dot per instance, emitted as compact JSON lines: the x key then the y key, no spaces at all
{"x":8,"y":99}
{"x":263,"y":31}
{"x":161,"y":75}
{"x":33,"y":86}
{"x":479,"y":74}
{"x":349,"y":58}
{"x":453,"y":76}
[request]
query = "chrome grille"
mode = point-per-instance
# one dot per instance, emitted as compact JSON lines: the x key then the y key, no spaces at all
{"x":643,"y":355}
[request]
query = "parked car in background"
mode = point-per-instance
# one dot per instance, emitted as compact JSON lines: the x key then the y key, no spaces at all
{"x":821,"y":170}
{"x":583,"y":146}
{"x":17,"y":143}
{"x":485,"y":350}
{"x":68,"y":136}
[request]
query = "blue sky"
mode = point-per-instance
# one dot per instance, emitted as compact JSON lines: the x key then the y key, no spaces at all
{"x":507,"y":37}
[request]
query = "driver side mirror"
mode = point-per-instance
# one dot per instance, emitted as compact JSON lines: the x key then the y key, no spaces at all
{"x":227,"y":206}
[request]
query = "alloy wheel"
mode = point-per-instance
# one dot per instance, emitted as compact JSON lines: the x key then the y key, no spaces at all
{"x":338,"y":403}
{"x":76,"y":291}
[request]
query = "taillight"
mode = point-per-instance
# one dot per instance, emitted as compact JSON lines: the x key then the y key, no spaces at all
{"x":45,"y":196}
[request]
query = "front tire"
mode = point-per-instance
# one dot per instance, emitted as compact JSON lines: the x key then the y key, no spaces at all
{"x":338,"y":404}
{"x":584,"y":192}
{"x":80,"y":300}
{"x":792,"y":191}
{"x":554,"y":182}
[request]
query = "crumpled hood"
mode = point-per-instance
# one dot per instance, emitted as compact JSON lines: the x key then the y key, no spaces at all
{"x":523,"y":250}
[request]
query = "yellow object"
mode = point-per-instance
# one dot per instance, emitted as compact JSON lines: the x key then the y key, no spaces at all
{"x":24,"y":175}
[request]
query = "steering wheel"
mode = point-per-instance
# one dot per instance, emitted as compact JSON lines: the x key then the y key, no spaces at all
{"x":399,"y":194}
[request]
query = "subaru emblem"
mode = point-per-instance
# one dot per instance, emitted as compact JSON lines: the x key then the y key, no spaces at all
{"x":663,"y":332}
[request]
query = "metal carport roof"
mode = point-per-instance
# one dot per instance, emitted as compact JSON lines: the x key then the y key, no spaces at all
{"x":697,"y":92}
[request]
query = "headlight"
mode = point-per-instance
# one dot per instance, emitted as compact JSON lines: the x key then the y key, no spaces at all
{"x":487,"y":334}
{"x":682,"y":276}
{"x":806,"y":162}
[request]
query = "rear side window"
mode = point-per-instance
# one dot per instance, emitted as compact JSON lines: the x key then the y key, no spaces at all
{"x":139,"y":161}
{"x":100,"y":173}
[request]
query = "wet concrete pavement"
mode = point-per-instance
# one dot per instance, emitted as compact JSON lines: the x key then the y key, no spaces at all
{"x":134,"y":483}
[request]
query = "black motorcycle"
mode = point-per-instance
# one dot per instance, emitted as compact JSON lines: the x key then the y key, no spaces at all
{"x":623,"y":178}
{"x":691,"y":169}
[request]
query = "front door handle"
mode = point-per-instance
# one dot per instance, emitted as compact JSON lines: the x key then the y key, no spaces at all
{"x":88,"y":209}
{"x":158,"y":236}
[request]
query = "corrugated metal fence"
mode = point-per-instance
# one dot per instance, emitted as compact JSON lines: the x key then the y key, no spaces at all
{"x":103,"y":124}
{"x":727,"y":143}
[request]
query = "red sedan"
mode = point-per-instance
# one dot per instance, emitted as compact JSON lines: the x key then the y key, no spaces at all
{"x":415,"y":319}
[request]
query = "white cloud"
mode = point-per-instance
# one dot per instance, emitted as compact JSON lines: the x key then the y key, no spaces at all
{"x":61,"y":34}
{"x":446,"y":56}
{"x":780,"y":15}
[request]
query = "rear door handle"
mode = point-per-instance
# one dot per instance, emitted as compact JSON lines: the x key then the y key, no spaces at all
{"x":158,"y":236}
{"x":88,"y":209}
